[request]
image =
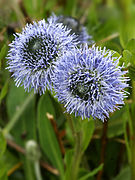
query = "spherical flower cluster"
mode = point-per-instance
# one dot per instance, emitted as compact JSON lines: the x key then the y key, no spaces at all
{"x":75,"y":26}
{"x":89,"y":82}
{"x":33,"y":52}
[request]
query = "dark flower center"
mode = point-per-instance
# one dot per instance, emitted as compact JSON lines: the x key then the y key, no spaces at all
{"x":34,"y":45}
{"x":40,"y":52}
{"x":85,"y":86}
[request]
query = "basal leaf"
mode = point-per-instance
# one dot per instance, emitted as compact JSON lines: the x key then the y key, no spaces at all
{"x":25,"y":128}
{"x":47,"y":137}
{"x":88,"y":129}
{"x":2,"y":143}
{"x":125,"y":174}
{"x":68,"y":160}
{"x":7,"y":162}
{"x":4,"y":91}
{"x":92,"y":173}
{"x":3,"y":51}
{"x":60,"y":115}
{"x":115,"y":124}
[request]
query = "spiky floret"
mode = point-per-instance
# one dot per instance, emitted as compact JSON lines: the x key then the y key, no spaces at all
{"x":75,"y":26}
{"x":33,"y":52}
{"x":89,"y":82}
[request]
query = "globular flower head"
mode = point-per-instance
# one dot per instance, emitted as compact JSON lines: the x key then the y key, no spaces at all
{"x":90,"y":83}
{"x":75,"y":26}
{"x":33,"y":52}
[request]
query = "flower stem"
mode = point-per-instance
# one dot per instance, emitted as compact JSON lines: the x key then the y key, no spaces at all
{"x":76,"y":157}
{"x":37,"y":170}
{"x":103,"y":148}
{"x":71,"y":125}
{"x":18,"y":113}
{"x":77,"y":150}
{"x":133,"y":160}
{"x":133,"y":134}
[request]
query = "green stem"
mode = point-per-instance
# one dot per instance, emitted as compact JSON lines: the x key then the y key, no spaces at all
{"x":133,"y":133}
{"x":133,"y":90}
{"x":77,"y":150}
{"x":18,"y":113}
{"x":37,"y":170}
{"x":126,"y":134}
{"x":133,"y":160}
{"x":71,"y":125}
{"x":77,"y":157}
{"x":108,"y":38}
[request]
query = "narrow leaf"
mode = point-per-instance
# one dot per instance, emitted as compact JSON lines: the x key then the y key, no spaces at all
{"x":92,"y":173}
{"x":88,"y":129}
{"x":21,"y":112}
{"x":4,"y":91}
{"x":2,"y":143}
{"x":125,"y":174}
{"x":47,"y":137}
{"x":3,"y":51}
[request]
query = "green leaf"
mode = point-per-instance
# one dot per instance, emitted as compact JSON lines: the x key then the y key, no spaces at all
{"x":4,"y":91}
{"x":7,"y":162}
{"x":4,"y":177}
{"x":25,"y":127}
{"x":127,"y":28}
{"x":34,"y":8}
{"x":131,"y":46}
{"x":77,"y":122}
{"x":68,"y":157}
{"x":115,"y":54}
{"x":68,"y":160}
{"x":47,"y":137}
{"x":127,"y":57}
{"x":125,"y":174}
{"x":70,"y":7}
{"x":3,"y":170}
{"x":115,"y":124}
{"x":87,"y":129}
{"x":124,"y":6}
{"x":60,"y":116}
{"x":3,"y":53}
{"x":109,"y":24}
{"x":131,"y":70}
{"x":49,"y":5}
{"x":2,"y":143}
{"x":129,"y":54}
{"x":92,"y":173}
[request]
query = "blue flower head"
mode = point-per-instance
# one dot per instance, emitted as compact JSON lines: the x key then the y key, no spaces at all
{"x":89,"y":82}
{"x":33,"y":52}
{"x":75,"y":26}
